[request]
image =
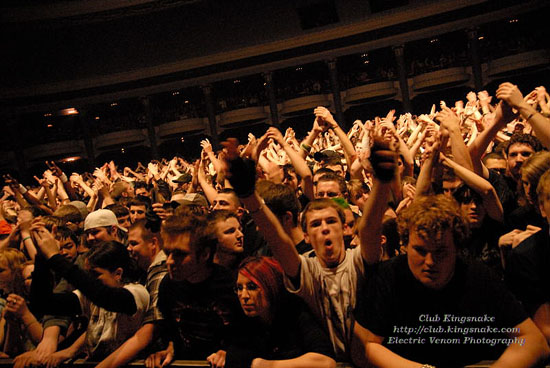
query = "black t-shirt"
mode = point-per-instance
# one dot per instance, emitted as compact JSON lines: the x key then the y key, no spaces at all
{"x":507,"y":190}
{"x":293,"y":332}
{"x":482,"y":245}
{"x":523,"y":216}
{"x":447,"y":327}
{"x":528,"y":271}
{"x":199,"y":317}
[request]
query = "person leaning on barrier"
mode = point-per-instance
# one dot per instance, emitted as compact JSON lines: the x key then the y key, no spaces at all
{"x":326,"y":282}
{"x":427,"y":306}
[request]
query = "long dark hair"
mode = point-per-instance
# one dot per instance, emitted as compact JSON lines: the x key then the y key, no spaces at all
{"x":111,"y":255}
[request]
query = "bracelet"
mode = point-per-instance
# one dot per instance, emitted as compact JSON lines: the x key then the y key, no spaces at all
{"x":305,"y":147}
{"x":22,"y":189}
{"x":25,"y":238}
{"x":258,"y":209}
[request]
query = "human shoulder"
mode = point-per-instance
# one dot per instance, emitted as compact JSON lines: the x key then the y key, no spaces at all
{"x":140,"y":293}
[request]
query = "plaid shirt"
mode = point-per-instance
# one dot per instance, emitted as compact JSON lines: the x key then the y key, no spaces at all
{"x":156,"y":272}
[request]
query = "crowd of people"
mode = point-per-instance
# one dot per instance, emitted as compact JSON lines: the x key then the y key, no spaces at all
{"x":408,"y":241}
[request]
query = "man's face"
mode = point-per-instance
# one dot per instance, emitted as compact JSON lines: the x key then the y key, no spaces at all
{"x":474,"y":213}
{"x":68,"y":249}
{"x":137,"y":213}
{"x":182,"y":261}
{"x":328,"y":189}
{"x":450,"y":186}
{"x":517,"y":154}
{"x":98,"y":234}
{"x":142,"y":192}
{"x":348,"y":227}
{"x":230,"y":236}
{"x":290,"y":179}
{"x":432,"y":262}
{"x":124,"y":221}
{"x":225,"y":201}
{"x":325,"y":233}
{"x":496,"y":164}
{"x":140,"y":250}
{"x":359,"y":199}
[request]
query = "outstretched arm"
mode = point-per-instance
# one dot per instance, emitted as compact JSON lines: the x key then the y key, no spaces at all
{"x":481,"y":186}
{"x":384,"y":163}
{"x":533,"y":351}
{"x":541,"y":124}
{"x":367,"y":350}
{"x":297,"y":161}
{"x":242,"y":177}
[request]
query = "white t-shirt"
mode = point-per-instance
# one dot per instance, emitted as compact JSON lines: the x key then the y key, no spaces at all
{"x":108,"y":330}
{"x":331,"y":294}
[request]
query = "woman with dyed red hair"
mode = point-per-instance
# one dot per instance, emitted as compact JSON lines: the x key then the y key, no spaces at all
{"x":279,"y":327}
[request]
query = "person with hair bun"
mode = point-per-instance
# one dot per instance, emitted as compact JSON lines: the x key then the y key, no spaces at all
{"x":279,"y":328}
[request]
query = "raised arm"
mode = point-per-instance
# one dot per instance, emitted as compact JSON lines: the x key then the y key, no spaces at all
{"x":451,"y":122}
{"x":541,"y":124}
{"x":384,"y":163}
{"x":297,"y":161}
{"x":503,"y":115}
{"x":242,"y":176}
{"x":481,"y":186}
{"x":324,"y":114}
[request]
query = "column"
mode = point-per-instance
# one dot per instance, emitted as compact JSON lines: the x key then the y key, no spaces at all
{"x":210,"y":110}
{"x":399,"y":52}
{"x":270,"y":90}
{"x":335,"y":87}
{"x":152,"y":134}
{"x":473,"y":47}
{"x":20,"y":163}
{"x":85,"y":121}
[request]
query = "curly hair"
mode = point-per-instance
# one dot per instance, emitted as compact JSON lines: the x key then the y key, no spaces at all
{"x":15,"y":260}
{"x":430,"y":216}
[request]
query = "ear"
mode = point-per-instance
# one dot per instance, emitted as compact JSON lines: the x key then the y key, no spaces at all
{"x":240,"y":212}
{"x":543,"y":212}
{"x":155,"y":244}
{"x":118,"y":274}
{"x":306,"y":238}
{"x":383,"y":239}
{"x":286,"y":218}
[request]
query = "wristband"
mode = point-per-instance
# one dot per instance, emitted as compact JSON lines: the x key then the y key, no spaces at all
{"x":530,"y":116}
{"x":63,"y":178}
{"x":25,"y":238}
{"x":22,"y":189}
{"x":305,"y":147}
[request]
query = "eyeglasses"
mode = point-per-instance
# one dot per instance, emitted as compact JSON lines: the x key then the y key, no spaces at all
{"x":250,"y":287}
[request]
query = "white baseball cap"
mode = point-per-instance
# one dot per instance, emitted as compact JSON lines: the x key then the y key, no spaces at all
{"x":101,"y":218}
